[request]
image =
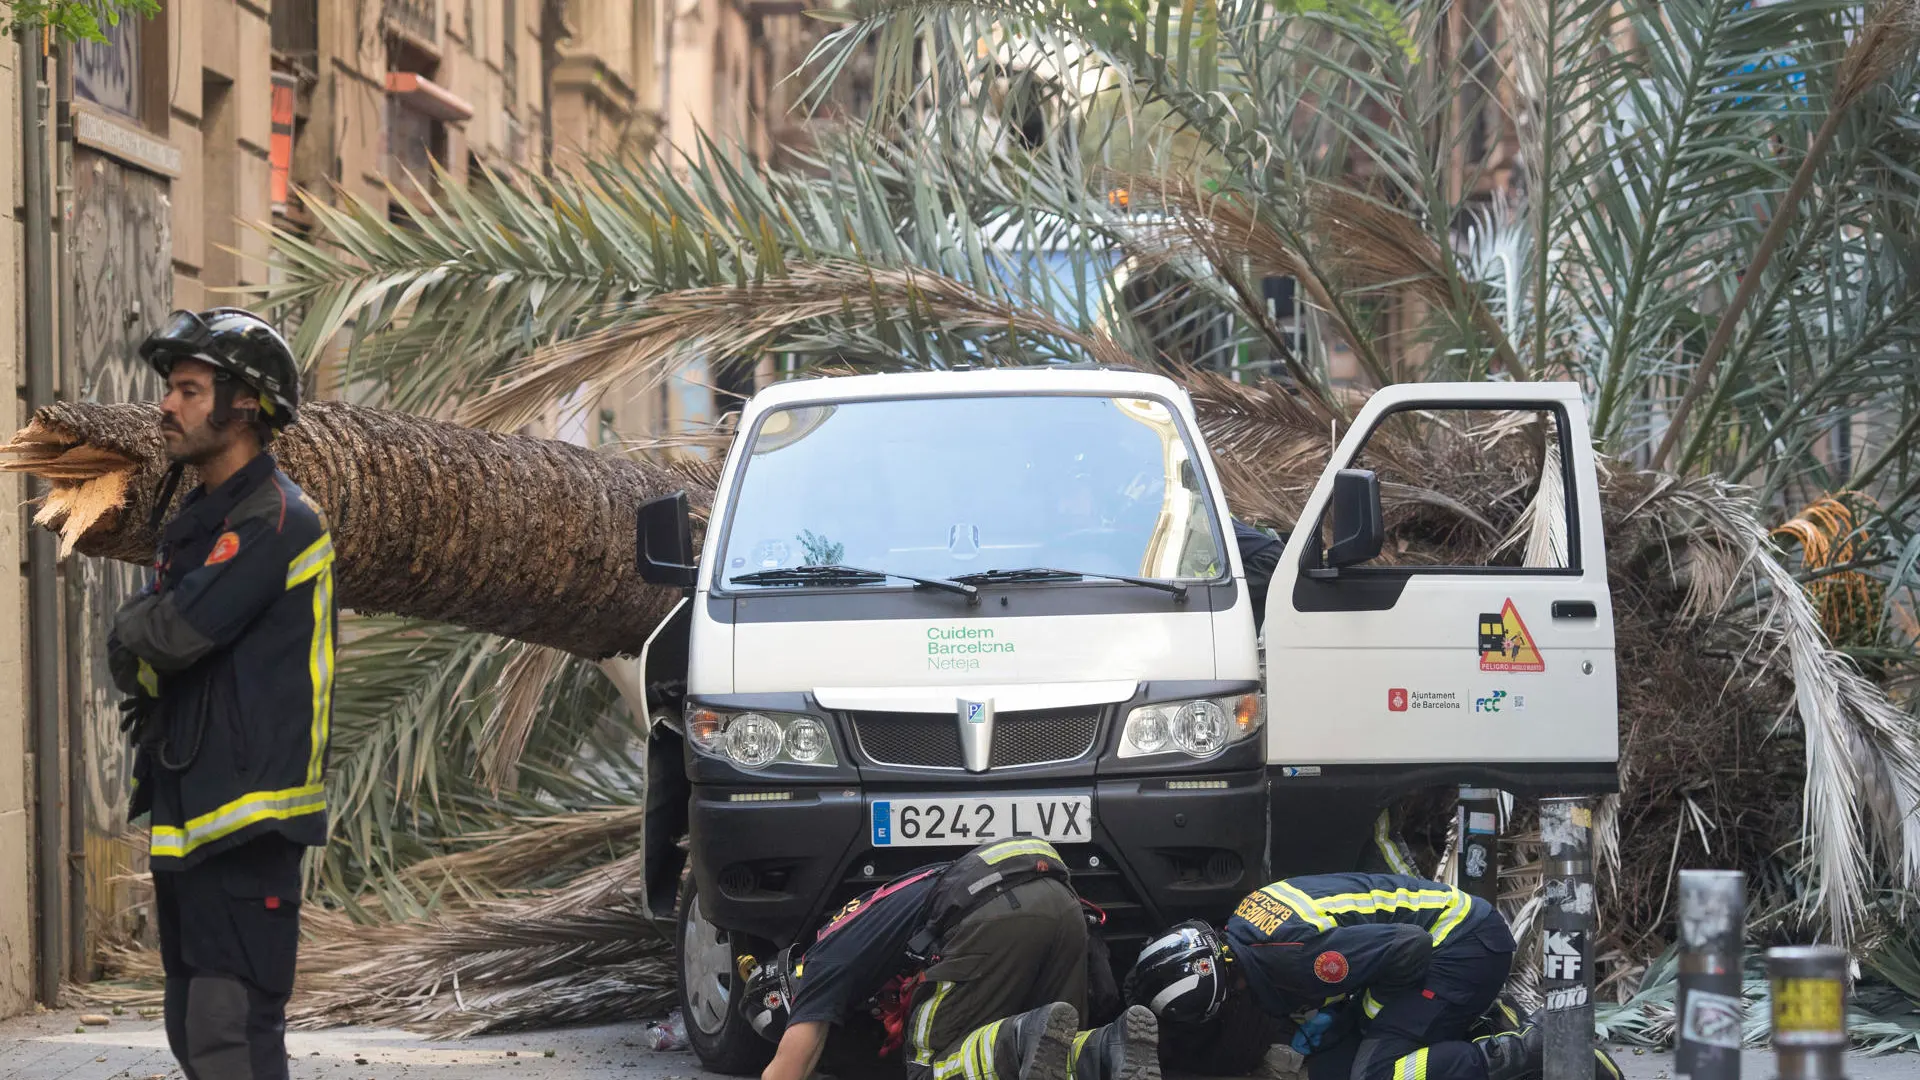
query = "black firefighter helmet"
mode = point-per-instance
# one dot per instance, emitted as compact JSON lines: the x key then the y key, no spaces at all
{"x":241,"y":347}
{"x":1178,"y":974}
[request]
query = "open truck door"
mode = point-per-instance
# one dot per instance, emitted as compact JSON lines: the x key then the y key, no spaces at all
{"x":1384,"y":676}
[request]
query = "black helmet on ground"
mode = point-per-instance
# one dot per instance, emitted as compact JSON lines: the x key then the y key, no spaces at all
{"x":1178,"y":974}
{"x":241,"y":347}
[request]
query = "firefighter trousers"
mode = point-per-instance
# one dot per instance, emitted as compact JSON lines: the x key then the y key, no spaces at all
{"x":1021,"y":951}
{"x":1424,"y":1034}
{"x":229,"y":931}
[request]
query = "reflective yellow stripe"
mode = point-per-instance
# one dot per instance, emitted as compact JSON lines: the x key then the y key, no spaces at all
{"x":923,"y":1024}
{"x":1450,"y":920}
{"x":1411,"y":1067}
{"x":968,"y":1061}
{"x":236,"y":815}
{"x":1390,"y":851}
{"x":309,"y":562}
{"x":1452,"y":904}
{"x":1302,"y":905}
{"x":983,"y":1051}
{"x":1383,"y":900}
{"x":320,"y":669}
{"x":1370,"y":1005}
{"x":1073,"y":1054}
{"x":1009,"y":849}
{"x":149,"y":679}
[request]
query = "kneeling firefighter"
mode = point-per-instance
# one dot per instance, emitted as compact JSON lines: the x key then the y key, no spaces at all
{"x":979,"y":967}
{"x":1386,"y":975}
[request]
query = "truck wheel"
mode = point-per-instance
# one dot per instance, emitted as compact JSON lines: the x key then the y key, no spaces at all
{"x":708,"y":980}
{"x":1234,"y":1043}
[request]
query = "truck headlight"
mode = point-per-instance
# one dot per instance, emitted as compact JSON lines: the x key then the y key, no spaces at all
{"x":1199,"y":728}
{"x":807,"y":741}
{"x":755,"y":740}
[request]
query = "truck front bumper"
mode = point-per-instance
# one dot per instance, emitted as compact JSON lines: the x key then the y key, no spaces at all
{"x":1163,"y":849}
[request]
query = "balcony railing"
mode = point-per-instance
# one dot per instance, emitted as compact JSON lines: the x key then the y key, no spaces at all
{"x":417,"y":19}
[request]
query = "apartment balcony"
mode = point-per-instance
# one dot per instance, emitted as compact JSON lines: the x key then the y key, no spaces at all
{"x":416,"y":22}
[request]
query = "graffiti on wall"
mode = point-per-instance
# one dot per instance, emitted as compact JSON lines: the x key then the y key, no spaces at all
{"x":122,"y":284}
{"x":107,"y":73}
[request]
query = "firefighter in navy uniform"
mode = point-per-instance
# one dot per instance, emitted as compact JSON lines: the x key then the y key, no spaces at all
{"x":1387,"y":976}
{"x":228,"y":656}
{"x":977,"y":968}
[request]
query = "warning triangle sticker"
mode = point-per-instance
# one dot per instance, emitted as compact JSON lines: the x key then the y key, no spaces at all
{"x":1505,"y":643}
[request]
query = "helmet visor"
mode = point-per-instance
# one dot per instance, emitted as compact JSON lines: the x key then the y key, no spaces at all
{"x":183,"y":334}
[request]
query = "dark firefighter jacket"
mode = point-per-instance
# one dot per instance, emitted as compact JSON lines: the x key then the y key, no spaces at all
{"x":230,"y":655}
{"x":1309,"y":940}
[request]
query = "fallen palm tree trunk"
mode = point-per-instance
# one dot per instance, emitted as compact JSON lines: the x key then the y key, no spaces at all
{"x":527,"y":538}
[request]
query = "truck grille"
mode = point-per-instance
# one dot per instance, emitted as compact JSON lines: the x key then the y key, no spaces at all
{"x":932,"y":740}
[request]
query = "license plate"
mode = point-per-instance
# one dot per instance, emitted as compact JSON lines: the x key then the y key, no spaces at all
{"x":966,"y":822}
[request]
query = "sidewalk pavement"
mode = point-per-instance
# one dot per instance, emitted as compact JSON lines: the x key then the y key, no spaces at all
{"x":46,"y":1047}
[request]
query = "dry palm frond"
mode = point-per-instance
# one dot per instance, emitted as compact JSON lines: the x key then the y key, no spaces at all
{"x":1361,"y":244}
{"x":583,"y":953}
{"x":507,"y":858}
{"x":1892,"y":29}
{"x":1378,"y":246}
{"x":740,"y":321}
{"x":523,"y":685}
{"x":1831,"y":537}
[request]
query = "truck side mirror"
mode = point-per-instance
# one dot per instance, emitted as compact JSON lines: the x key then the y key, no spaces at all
{"x":1358,"y":525}
{"x":663,"y":541}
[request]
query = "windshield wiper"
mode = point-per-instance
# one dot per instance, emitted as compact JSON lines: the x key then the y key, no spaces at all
{"x":835,"y":574}
{"x":1045,"y":573}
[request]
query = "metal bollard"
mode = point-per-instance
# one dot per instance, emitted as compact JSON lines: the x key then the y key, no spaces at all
{"x":1566,"y":827}
{"x":1809,"y":1012}
{"x":1479,"y":827}
{"x":1713,"y":906}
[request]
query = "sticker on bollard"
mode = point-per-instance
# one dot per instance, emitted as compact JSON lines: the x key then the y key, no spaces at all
{"x":1808,"y":1011}
{"x":1562,"y":955}
{"x":1712,"y":1020}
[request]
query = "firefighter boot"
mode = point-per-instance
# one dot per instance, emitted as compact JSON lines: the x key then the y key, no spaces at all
{"x":1517,"y":1055}
{"x":1127,"y":1049}
{"x":1039,"y":1040}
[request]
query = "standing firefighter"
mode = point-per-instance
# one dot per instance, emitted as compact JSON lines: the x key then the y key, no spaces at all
{"x":1386,"y":974}
{"x":978,"y":966}
{"x":229,"y":657}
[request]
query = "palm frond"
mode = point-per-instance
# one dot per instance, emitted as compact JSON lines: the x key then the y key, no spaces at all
{"x":739,"y":321}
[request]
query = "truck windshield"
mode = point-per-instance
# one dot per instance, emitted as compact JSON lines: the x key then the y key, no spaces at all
{"x":945,"y":487}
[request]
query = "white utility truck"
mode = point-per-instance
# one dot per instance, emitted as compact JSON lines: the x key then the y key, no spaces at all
{"x":936,"y":608}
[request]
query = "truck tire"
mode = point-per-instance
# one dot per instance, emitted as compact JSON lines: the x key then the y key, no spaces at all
{"x":709,"y":980}
{"x":1233,"y":1043}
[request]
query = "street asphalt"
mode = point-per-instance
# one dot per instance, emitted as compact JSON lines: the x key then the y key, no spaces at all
{"x":46,"y":1046}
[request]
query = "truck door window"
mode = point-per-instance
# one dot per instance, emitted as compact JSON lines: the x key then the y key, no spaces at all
{"x":1471,"y":489}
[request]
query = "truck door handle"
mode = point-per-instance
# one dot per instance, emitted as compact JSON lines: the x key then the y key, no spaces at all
{"x":1575,"y":609}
